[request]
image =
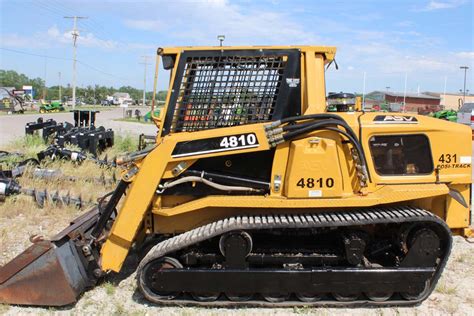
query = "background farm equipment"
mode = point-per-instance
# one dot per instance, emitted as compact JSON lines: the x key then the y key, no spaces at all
{"x":83,"y":134}
{"x":448,"y":115}
{"x":52,"y":107}
{"x":11,"y":187}
{"x":12,"y":102}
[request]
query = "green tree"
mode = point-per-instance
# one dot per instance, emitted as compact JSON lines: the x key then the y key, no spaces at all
{"x":10,"y":78}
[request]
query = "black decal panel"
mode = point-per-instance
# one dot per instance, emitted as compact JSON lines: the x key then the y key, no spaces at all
{"x":215,"y":144}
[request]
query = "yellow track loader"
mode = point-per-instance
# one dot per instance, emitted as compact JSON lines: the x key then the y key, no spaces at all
{"x":256,"y":195}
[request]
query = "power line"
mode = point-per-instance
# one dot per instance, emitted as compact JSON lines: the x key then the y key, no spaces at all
{"x":67,"y":59}
{"x":32,"y":54}
{"x":90,"y":24}
{"x":101,"y":71}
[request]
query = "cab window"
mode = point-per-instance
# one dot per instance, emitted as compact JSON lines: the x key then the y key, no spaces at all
{"x":401,"y":154}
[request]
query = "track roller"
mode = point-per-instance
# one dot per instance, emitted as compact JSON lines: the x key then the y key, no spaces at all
{"x":238,"y":297}
{"x":276,"y":297}
{"x":205,"y":297}
{"x":308,"y":297}
{"x":346,"y":296}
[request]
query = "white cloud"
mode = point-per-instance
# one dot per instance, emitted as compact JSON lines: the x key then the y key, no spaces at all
{"x":405,"y":23}
{"x":201,"y":21}
{"x":442,"y":5}
{"x":53,"y":37}
{"x":147,"y":25}
{"x":465,"y":55}
{"x":16,"y":41}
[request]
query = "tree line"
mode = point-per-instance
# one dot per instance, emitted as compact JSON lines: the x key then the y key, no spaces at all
{"x":89,"y":94}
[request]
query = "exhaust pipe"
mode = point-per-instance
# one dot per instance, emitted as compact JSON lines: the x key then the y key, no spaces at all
{"x":56,"y":272}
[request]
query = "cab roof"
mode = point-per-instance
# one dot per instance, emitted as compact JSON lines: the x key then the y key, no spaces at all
{"x":328,"y":51}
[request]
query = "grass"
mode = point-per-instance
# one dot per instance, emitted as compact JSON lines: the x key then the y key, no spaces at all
{"x":4,"y":308}
{"x":464,"y":258}
{"x":124,"y":143}
{"x":67,"y":108}
{"x":134,"y":120}
{"x":28,"y":145}
{"x":444,"y":288}
{"x":109,"y":288}
{"x":20,"y":216}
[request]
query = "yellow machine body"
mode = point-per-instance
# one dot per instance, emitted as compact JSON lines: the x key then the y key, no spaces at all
{"x":255,"y":190}
{"x":314,"y":173}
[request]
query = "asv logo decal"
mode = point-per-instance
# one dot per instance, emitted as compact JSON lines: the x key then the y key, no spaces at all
{"x":293,"y":82}
{"x":395,"y":119}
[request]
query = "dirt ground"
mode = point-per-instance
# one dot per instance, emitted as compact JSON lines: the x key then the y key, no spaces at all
{"x":20,"y":217}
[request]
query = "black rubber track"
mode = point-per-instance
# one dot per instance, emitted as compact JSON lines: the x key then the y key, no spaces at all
{"x":398,"y":215}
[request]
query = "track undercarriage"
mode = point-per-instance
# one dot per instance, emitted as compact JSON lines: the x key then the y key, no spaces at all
{"x":390,"y":256}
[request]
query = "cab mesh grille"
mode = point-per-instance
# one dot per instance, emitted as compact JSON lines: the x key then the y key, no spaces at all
{"x":222,"y":91}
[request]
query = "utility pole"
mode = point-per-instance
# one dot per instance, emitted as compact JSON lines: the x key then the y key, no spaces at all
{"x":464,"y":90}
{"x":363,"y":93}
{"x":405,"y":91}
{"x":45,"y":88}
{"x":75,"y":35}
{"x":60,"y":99}
{"x":145,"y":63}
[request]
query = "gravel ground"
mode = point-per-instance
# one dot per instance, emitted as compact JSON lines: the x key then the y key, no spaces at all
{"x":13,"y":126}
{"x":118,"y":295}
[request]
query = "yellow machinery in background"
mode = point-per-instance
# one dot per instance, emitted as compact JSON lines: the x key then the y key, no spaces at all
{"x":256,"y":195}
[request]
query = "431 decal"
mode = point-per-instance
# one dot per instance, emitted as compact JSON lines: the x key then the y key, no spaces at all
{"x":447,"y":158}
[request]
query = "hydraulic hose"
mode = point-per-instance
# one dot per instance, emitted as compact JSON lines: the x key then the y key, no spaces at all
{"x":310,"y":117}
{"x":315,"y":126}
{"x":357,"y":146}
{"x":330,"y":124}
{"x":214,"y":185}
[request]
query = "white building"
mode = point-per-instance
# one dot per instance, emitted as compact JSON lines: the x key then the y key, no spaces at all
{"x":121,"y":98}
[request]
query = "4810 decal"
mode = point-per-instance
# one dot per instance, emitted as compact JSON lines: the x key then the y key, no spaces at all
{"x":318,"y":183}
{"x":234,"y":141}
{"x":215,"y":144}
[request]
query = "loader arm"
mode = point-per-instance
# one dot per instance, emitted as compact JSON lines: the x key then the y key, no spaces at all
{"x":170,"y":152}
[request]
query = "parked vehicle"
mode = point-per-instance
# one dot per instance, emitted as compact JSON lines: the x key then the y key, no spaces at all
{"x":466,"y":114}
{"x":54,"y":106}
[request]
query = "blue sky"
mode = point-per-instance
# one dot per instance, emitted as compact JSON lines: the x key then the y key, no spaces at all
{"x":426,"y":40}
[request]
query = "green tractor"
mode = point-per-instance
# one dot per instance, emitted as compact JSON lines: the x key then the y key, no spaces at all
{"x":147,"y":117}
{"x":448,"y":115}
{"x":52,"y":107}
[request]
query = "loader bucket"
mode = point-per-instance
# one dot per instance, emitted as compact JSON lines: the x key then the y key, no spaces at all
{"x":50,"y":272}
